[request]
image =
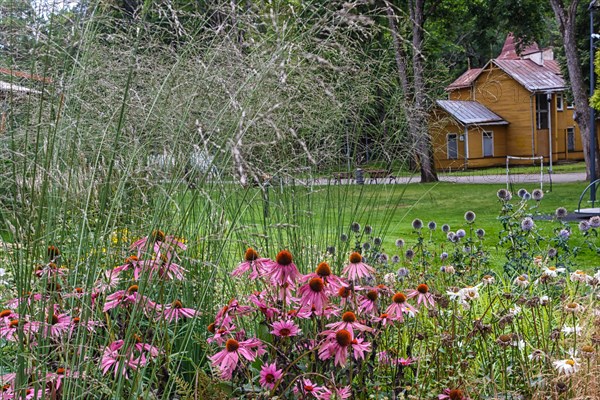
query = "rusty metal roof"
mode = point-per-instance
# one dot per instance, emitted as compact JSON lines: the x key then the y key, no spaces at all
{"x":532,"y":76}
{"x":471,"y":112}
{"x":465,"y":80}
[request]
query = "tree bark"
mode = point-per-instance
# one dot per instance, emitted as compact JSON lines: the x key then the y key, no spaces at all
{"x":565,"y":15}
{"x":413,"y":90}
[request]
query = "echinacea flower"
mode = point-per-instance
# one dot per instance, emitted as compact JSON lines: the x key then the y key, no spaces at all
{"x":260,"y":301}
{"x":308,"y":389}
{"x":175,"y":310}
{"x":49,"y":271}
{"x":227,"y":359}
{"x":488,"y":280}
{"x":422,"y":294}
{"x":313,"y":294}
{"x":399,"y":307}
{"x":285,"y":328}
{"x":368,"y":302}
{"x":332,"y":282}
{"x":123,"y":297}
{"x":283,"y":270}
{"x":253,"y":263}
{"x":567,"y":330}
{"x":337,"y":393}
{"x":452,"y":394}
{"x":339,"y":343}
{"x":54,"y":379}
{"x":567,"y":367}
{"x":269,"y":375}
{"x":579,"y":276}
{"x":349,"y":323}
{"x":57,"y":325}
{"x":111,"y":359}
{"x":159,"y":242}
{"x":357,"y":269}
{"x":552,"y":271}
{"x":573,"y":308}
{"x":521,"y":281}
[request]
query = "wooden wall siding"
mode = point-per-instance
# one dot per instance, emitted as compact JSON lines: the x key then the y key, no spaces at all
{"x":442,"y":124}
{"x":461,"y":94}
{"x":507,"y":98}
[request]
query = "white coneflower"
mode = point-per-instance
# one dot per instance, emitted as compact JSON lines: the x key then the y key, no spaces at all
{"x":567,"y":330}
{"x":579,"y":276}
{"x":390,"y":278}
{"x":448,"y":269}
{"x":488,"y":280}
{"x":567,"y":367}
{"x":588,"y":351}
{"x":544,"y":300}
{"x":574,"y":308}
{"x":469,"y":293}
{"x":552,"y":271}
{"x":537,"y":355}
{"x":521,"y":281}
{"x":538,"y":261}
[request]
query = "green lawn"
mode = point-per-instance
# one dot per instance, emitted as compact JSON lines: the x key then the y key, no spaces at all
{"x":317,"y":217}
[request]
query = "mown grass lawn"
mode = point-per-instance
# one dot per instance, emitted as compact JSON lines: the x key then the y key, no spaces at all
{"x":322,"y":213}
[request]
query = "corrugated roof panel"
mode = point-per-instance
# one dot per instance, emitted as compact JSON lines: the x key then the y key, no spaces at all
{"x":471,"y":112}
{"x":532,"y":76}
{"x":465,"y":79}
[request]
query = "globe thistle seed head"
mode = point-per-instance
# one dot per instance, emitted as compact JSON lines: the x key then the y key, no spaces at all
{"x":527,"y":224}
{"x":521,"y":193}
{"x":537,"y":194}
{"x":432,"y":225}
{"x":399,"y":243}
{"x":368,"y":230}
{"x":470,"y":216}
{"x":461,"y":233}
{"x":595,"y":221}
{"x":552,"y":252}
{"x":504,"y":195}
{"x":417,"y":224}
{"x":480,"y":233}
{"x":527,"y":196}
{"x":402,"y":272}
{"x":561,"y":212}
{"x":343,"y":237}
{"x":584,"y":226}
{"x":377,"y":241}
{"x":355,"y":227}
{"x":444,"y":256}
{"x":445,"y":228}
{"x":395,"y":259}
{"x":410,"y":253}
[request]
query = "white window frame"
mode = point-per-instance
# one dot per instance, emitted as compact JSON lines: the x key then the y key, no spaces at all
{"x":570,"y":106}
{"x":560,"y":100}
{"x":448,"y":145}
{"x":483,"y":135}
{"x":572,"y":129}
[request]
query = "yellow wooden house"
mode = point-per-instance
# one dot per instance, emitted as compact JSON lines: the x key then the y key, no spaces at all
{"x":514,"y":106}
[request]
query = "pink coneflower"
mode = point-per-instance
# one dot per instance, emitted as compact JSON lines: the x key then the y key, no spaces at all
{"x":109,"y":281}
{"x":57,"y":325}
{"x":54,"y":379}
{"x":285,"y":329}
{"x":356,"y":269}
{"x":162,"y":266}
{"x":175,"y":310}
{"x":285,"y":293}
{"x":10,"y":331}
{"x":122,"y":297}
{"x":49,"y":270}
{"x":332,"y":283}
{"x":232,"y":309}
{"x":283,"y":270}
{"x":77,"y":323}
{"x":258,"y":299}
{"x":368,"y":302}
{"x":311,"y":311}
{"x":452,"y":394}
{"x":422,"y":294}
{"x":384,"y":319}
{"x":337,"y":393}
{"x":306,"y":387}
{"x":6,"y":316}
{"x":227,"y":359}
{"x":159,"y":241}
{"x":399,"y":307}
{"x":33,"y":394}
{"x":130,"y":262}
{"x":111,"y":357}
{"x":269,"y":375}
{"x":338,"y":343}
{"x":29,"y":299}
{"x":220,"y":335}
{"x":349,"y":323}
{"x":346,"y":295}
{"x":257,"y":265}
{"x":313,"y":294}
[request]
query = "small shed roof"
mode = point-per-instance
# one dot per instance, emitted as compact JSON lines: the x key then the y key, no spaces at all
{"x":471,"y":112}
{"x":532,"y":76}
{"x":10,"y":87}
{"x":465,"y":80}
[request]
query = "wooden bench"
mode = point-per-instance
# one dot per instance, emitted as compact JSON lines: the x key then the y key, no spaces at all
{"x":338,"y":176}
{"x":375,"y":174}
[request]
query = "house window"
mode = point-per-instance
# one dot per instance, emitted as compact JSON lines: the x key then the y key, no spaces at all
{"x":571,"y":138}
{"x":488,"y":144}
{"x":452,"y":146}
{"x":541,"y":110}
{"x":570,"y":105}
{"x":559,"y":102}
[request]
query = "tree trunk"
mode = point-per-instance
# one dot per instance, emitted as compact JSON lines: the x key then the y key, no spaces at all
{"x":414,"y":93}
{"x":565,"y":15}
